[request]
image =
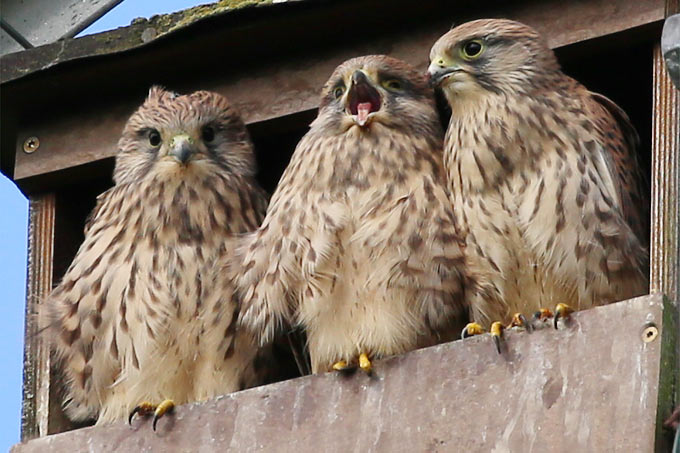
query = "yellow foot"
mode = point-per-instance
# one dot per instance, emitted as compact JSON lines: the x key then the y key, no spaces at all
{"x":562,"y":311}
{"x":162,"y":409}
{"x":472,"y":329}
{"x":341,"y":365}
{"x":147,"y":408}
{"x":519,"y":320}
{"x":497,"y":334}
{"x":364,"y":363}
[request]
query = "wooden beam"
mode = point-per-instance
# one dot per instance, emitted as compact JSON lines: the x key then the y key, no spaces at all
{"x":589,"y":387}
{"x":269,"y":87}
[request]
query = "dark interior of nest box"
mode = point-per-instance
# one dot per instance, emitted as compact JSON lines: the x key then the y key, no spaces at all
{"x":619,"y":70}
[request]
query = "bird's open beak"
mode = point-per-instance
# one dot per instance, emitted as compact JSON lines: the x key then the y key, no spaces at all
{"x":440,"y":69}
{"x":182,"y":148}
{"x":362,"y":98}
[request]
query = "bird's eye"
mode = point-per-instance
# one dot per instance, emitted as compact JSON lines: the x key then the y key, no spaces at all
{"x":208,"y":134}
{"x":338,"y":91}
{"x":154,"y":137}
{"x":393,"y":85}
{"x":472,"y":49}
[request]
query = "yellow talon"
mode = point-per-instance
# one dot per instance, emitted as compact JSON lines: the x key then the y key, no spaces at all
{"x":144,"y":408}
{"x":163,"y":408}
{"x":562,"y":311}
{"x":365,"y":363}
{"x":340,"y":365}
{"x":472,"y":329}
{"x":497,"y":333}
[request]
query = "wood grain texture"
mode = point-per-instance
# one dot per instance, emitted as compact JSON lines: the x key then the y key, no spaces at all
{"x":665,"y":209}
{"x":665,"y":215}
{"x":592,"y":386}
{"x":35,"y":410}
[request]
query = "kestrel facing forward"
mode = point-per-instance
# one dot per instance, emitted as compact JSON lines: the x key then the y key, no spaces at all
{"x":359,"y":245}
{"x":543,"y":174}
{"x":143,"y":313}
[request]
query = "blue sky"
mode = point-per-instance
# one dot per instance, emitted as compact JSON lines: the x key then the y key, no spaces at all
{"x":13,"y":245}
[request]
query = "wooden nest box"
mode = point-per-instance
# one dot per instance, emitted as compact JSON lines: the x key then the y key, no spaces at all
{"x":605,"y":384}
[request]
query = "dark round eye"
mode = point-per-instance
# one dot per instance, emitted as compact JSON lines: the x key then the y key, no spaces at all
{"x":393,"y":84}
{"x":472,"y":49}
{"x":154,"y":137}
{"x":208,"y":134}
{"x":338,"y":91}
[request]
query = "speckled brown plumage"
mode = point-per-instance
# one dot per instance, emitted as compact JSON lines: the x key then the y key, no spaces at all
{"x":545,"y":174}
{"x":143,"y":313}
{"x":359,"y":245}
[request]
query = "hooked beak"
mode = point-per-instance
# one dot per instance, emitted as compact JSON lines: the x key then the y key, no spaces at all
{"x":362,"y":99}
{"x":440,"y":70}
{"x":182,"y":148}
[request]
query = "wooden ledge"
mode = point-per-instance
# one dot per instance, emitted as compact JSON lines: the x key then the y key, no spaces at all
{"x":597,"y":385}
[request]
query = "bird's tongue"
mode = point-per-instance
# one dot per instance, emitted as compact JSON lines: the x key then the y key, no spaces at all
{"x":363,"y":109}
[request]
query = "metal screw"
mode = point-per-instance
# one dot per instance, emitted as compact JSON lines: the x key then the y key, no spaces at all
{"x":649,"y":333}
{"x":31,"y":145}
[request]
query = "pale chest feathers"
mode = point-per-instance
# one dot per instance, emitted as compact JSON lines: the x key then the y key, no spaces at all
{"x":146,"y":276}
{"x":506,"y":145}
{"x":534,"y":194}
{"x":151,"y":250}
{"x":355,"y":297}
{"x":359,"y":160}
{"x":374,"y":219}
{"x":176,"y":210}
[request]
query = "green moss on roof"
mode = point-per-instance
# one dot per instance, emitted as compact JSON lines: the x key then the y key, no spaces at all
{"x":169,"y":22}
{"x":138,"y":33}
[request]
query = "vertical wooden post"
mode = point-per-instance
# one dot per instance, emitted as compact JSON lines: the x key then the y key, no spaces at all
{"x":665,"y":247}
{"x":36,"y":391}
{"x":665,"y":212}
{"x":41,"y":413}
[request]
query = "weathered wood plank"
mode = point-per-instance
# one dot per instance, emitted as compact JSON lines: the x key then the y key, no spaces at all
{"x":592,"y":386}
{"x":665,"y":208}
{"x":665,"y":212}
{"x":271,"y":88}
{"x":36,"y":391}
{"x":41,"y":412}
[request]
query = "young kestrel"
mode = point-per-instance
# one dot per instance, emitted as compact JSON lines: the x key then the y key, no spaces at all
{"x":143,"y":314}
{"x":543,"y":174}
{"x":359,"y":245}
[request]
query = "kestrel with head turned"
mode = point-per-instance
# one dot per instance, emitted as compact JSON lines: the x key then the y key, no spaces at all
{"x":143,"y":313}
{"x":359,"y":245}
{"x":543,"y":174}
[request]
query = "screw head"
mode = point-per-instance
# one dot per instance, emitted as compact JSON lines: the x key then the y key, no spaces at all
{"x":31,"y":145}
{"x":649,"y":333}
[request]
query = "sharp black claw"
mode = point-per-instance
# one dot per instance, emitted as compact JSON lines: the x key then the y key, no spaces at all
{"x":557,"y":316}
{"x":527,"y":325}
{"x":497,"y":342}
{"x":155,"y":420}
{"x":132,"y":414}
